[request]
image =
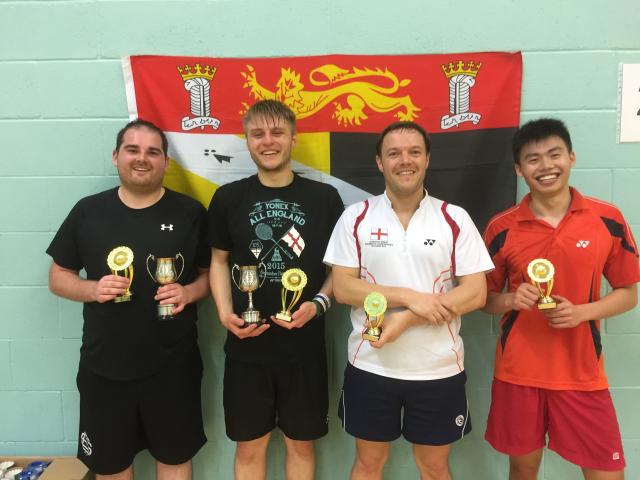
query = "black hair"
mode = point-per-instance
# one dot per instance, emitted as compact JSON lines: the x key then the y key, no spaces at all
{"x":139,"y":123}
{"x":537,"y":130}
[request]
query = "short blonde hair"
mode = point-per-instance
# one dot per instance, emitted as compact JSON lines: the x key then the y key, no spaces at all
{"x":270,"y":109}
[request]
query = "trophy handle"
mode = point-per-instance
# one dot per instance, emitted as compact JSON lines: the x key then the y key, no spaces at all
{"x":234,"y":268}
{"x":150,"y":257}
{"x":264,"y":277}
{"x":130,"y":276}
{"x":182,"y":269}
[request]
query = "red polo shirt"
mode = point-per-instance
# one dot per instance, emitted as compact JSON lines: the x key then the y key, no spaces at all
{"x":592,"y":240}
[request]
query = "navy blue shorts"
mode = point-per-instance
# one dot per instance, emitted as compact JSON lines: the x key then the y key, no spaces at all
{"x":425,"y":412}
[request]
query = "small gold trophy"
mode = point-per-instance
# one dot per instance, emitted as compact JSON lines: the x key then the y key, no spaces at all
{"x":120,"y":259}
{"x":293,"y":280}
{"x":541,"y":272}
{"x":249,"y":282}
{"x":165,"y":274}
{"x":374,"y":306}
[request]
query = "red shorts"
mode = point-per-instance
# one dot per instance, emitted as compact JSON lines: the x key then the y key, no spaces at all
{"x":582,"y":426}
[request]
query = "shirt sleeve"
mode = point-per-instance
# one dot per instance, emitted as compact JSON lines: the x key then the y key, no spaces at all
{"x":471,"y":253}
{"x":336,"y":207}
{"x":203,"y":252}
{"x":218,"y":227}
{"x":64,"y":247}
{"x":621,"y":268}
{"x":342,"y":248}
{"x":497,"y":277}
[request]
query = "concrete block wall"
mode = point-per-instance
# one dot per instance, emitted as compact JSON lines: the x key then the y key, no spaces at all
{"x":62,"y":101}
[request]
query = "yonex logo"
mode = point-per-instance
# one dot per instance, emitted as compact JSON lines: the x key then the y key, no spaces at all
{"x":616,"y":456}
{"x":582,"y":243}
{"x":429,"y":241}
{"x":164,"y":227}
{"x":86,"y":444}
{"x":460,"y":420}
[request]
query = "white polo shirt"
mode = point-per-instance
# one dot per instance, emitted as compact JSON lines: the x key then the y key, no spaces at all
{"x":440,"y":242}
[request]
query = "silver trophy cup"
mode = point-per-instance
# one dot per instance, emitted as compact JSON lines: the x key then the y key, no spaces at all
{"x":165,"y":274}
{"x":249,"y":282}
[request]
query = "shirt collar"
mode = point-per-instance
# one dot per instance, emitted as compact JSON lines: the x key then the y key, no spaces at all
{"x":423,"y":202}
{"x":525,"y":213}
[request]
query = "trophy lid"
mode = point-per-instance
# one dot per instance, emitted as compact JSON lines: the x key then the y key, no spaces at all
{"x":540,"y":270}
{"x":120,"y":258}
{"x":294,"y":279}
{"x":375,"y":304}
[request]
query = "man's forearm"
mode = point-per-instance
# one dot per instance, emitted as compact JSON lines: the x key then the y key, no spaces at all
{"x":70,"y":285}
{"x":614,"y":303}
{"x":199,"y":288}
{"x":327,"y":285}
{"x":498,"y":303}
{"x":470,"y":294}
{"x":349,"y":290}
{"x":220,"y":283}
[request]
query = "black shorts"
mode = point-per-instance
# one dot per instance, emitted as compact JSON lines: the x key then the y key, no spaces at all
{"x":259,"y":396}
{"x":425,"y":412}
{"x":161,"y":413}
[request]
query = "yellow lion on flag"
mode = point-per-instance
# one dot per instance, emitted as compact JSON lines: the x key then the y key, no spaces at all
{"x":359,"y":93}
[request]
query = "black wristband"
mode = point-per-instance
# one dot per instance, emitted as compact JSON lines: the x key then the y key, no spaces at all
{"x":319,"y":309}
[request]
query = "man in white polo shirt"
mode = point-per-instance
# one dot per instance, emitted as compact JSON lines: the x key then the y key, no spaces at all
{"x":428,"y":259}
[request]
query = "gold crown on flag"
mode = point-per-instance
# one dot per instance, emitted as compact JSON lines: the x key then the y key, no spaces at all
{"x":197,"y":71}
{"x":459,"y":68}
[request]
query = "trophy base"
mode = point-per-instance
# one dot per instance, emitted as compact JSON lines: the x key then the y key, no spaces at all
{"x":251,"y":317}
{"x":284,"y":316}
{"x":165,"y":312}
{"x":123,"y":298}
{"x":372,"y":334}
{"x":547,"y":306}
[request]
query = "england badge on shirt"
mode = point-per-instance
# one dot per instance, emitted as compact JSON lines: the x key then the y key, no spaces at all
{"x":378,"y":237}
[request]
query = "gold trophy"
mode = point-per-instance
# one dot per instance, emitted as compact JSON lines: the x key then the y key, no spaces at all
{"x":374,"y":306}
{"x":249,"y":282}
{"x":541,"y":272}
{"x":120,"y":259}
{"x":165,"y":274}
{"x":293,"y":280}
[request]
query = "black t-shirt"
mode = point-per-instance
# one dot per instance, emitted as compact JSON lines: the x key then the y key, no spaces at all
{"x":286,"y":227}
{"x":126,"y":340}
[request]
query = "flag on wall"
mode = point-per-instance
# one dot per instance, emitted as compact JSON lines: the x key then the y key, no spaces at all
{"x":468,"y":102}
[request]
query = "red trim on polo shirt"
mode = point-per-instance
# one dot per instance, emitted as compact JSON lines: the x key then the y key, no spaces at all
{"x":356,"y":224}
{"x":455,"y":231}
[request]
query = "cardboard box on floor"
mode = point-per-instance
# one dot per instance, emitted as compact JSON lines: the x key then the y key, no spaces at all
{"x":61,"y":468}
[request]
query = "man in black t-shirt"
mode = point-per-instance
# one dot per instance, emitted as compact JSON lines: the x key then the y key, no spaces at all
{"x":139,"y":375}
{"x":275,"y":371}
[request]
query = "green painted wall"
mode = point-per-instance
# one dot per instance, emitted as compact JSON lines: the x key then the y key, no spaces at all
{"x":62,"y":101}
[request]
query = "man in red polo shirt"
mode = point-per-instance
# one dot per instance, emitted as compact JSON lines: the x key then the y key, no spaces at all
{"x":549,"y":373}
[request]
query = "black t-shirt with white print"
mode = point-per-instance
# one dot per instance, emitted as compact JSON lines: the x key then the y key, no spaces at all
{"x":283,"y":228}
{"x":123,"y":341}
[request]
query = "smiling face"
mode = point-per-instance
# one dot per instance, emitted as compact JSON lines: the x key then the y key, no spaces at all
{"x":545,"y":166}
{"x":403,"y":161}
{"x":140,"y":160}
{"x":270,"y":142}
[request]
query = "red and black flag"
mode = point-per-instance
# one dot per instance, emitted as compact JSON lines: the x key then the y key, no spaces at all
{"x":468,"y":102}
